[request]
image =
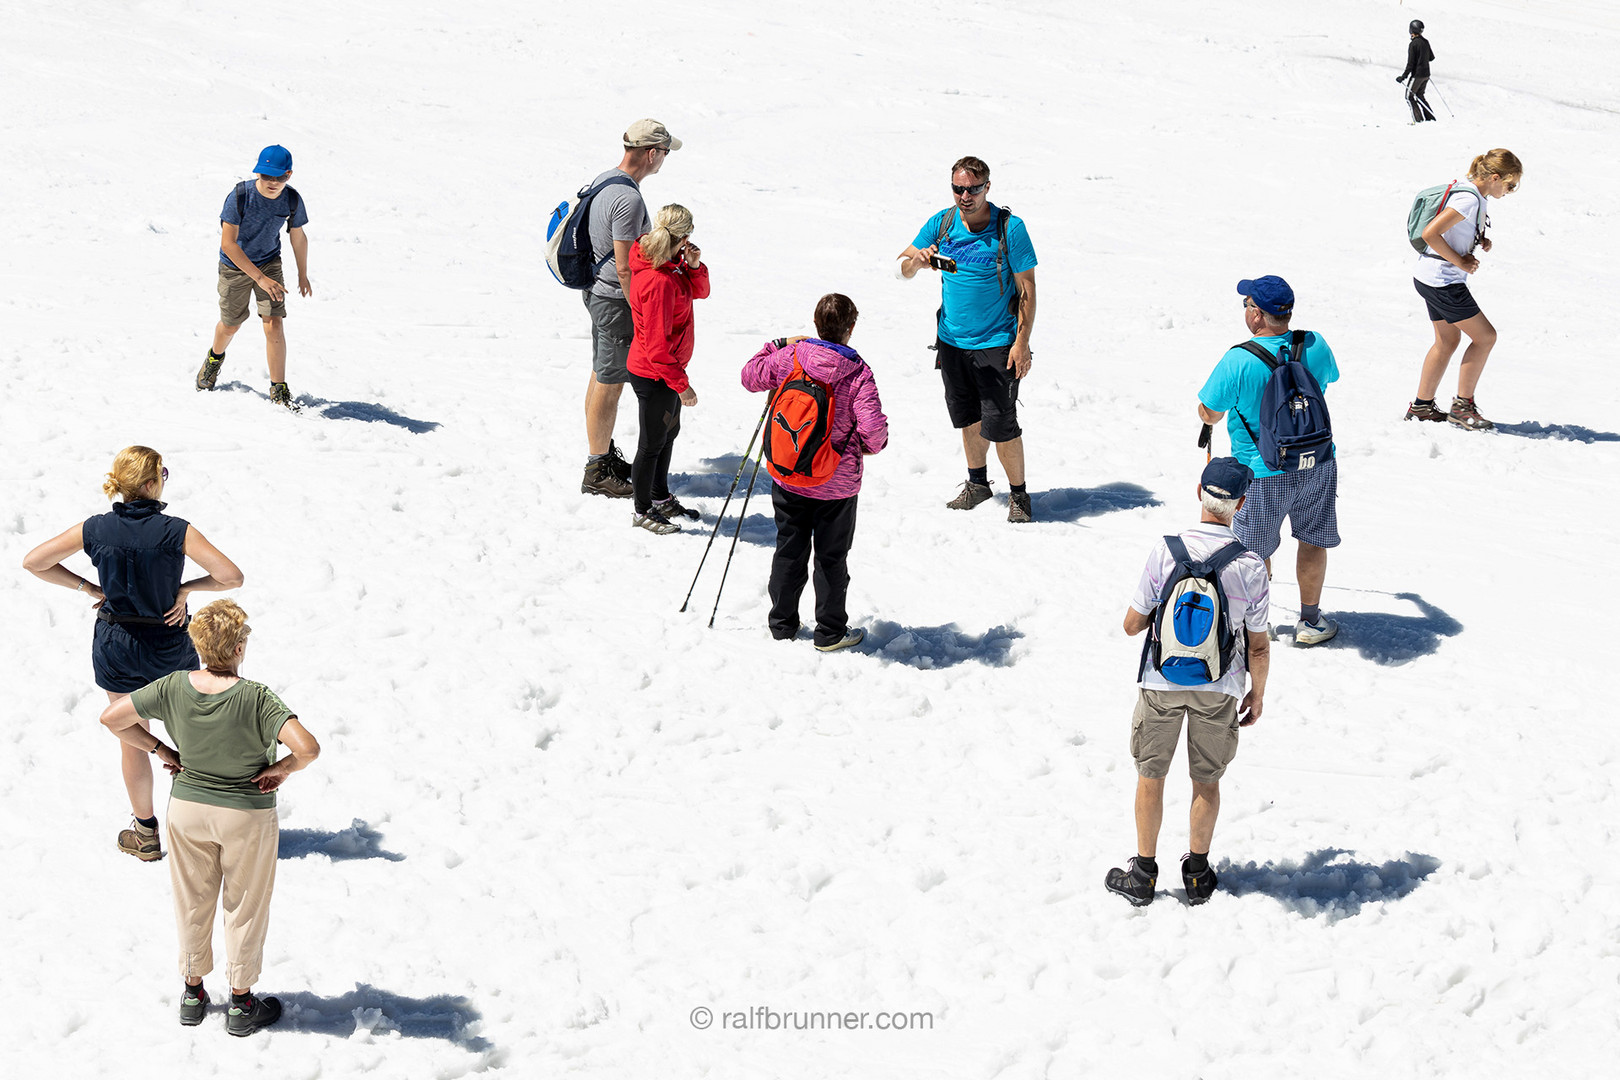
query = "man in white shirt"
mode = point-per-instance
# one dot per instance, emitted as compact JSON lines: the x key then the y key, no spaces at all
{"x":1214,"y":710}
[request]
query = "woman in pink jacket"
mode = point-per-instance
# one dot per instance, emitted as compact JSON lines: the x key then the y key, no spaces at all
{"x":822,"y":515}
{"x":666,"y":275}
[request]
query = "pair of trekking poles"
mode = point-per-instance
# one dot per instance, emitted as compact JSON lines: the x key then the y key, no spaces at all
{"x":736,"y":533}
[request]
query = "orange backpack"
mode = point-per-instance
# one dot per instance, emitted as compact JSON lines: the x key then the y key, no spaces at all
{"x":798,"y":443}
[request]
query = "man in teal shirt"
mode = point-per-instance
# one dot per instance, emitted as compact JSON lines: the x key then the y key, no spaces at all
{"x":1308,"y":498}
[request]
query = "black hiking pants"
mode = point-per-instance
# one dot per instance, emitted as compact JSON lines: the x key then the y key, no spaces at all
{"x":660,"y":413}
{"x":1415,"y":99}
{"x":803,"y":523}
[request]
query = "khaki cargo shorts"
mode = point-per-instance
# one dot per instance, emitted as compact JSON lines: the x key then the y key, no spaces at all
{"x":234,"y":288}
{"x":1212,"y":732}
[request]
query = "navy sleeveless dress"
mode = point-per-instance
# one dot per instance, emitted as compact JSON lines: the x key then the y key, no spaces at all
{"x":139,"y":553}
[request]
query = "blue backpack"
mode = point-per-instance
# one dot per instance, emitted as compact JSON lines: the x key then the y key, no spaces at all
{"x":569,"y":253}
{"x":1296,"y":432}
{"x":1190,"y":640}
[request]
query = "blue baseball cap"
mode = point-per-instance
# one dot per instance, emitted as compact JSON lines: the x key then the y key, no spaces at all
{"x":274,"y":161}
{"x":1226,"y":477}
{"x":1270,"y":294}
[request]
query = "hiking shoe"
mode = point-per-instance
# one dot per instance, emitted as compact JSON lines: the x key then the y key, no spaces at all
{"x":600,"y":479}
{"x":1199,"y":885}
{"x":1416,"y":411}
{"x":971,"y":495}
{"x":280,"y":395}
{"x":1315,"y":633}
{"x":1465,"y":415}
{"x":672,"y":509}
{"x":1018,"y":508}
{"x":654,"y":522}
{"x":848,"y":641}
{"x":248,"y":1016}
{"x":141,"y":842}
{"x":1135,"y":885}
{"x":616,"y":462}
{"x":209,"y":373}
{"x":193,"y":1005}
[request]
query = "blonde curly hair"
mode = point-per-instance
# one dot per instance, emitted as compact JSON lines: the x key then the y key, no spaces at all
{"x":132,"y":470}
{"x":217,"y":631}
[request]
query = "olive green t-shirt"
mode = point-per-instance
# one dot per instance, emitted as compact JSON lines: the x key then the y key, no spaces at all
{"x":224,"y":739}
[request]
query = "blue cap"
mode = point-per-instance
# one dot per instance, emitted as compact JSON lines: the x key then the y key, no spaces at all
{"x":1226,"y":477}
{"x":1270,"y":294}
{"x":274,"y":161}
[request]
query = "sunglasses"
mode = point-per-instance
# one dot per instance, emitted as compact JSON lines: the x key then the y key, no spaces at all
{"x":974,"y":190}
{"x":165,"y":474}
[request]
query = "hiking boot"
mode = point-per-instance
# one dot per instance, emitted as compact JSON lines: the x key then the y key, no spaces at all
{"x":600,"y":479}
{"x":1465,"y":415}
{"x":246,"y":1017}
{"x":616,"y":462}
{"x":654,"y":522}
{"x":1418,"y":411}
{"x":193,"y":1005}
{"x":280,"y":395}
{"x":1199,"y":884}
{"x":1134,"y":884}
{"x":141,"y":842}
{"x":672,"y":509}
{"x":848,"y":641}
{"x":971,"y":495}
{"x":1315,"y":633}
{"x":209,"y":373}
{"x":1018,"y":508}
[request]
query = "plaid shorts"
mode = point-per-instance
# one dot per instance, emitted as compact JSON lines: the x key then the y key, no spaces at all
{"x":1307,"y":499}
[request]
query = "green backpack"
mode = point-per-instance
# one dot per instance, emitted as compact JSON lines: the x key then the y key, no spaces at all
{"x":1425,"y":208}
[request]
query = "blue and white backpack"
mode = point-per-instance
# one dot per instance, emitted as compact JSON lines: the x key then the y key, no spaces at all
{"x":569,"y":254}
{"x":1296,"y":432}
{"x":1190,"y":640}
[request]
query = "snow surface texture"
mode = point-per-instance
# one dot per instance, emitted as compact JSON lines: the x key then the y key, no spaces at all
{"x":554,"y":816}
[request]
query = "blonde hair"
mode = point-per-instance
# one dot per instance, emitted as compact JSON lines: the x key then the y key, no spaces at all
{"x":672,"y":225}
{"x":1504,"y":163}
{"x":132,"y":470}
{"x":217,"y":630}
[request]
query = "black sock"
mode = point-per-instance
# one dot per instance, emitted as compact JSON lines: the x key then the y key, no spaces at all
{"x":147,"y":822}
{"x":1424,"y":401}
{"x":1148,"y":866}
{"x":981,"y":475}
{"x":241,"y":999}
{"x":1196,"y":863}
{"x":1016,"y":489}
{"x":198,"y":989}
{"x":215,"y":356}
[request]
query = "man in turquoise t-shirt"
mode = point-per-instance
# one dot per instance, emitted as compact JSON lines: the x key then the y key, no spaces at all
{"x":985,"y":318}
{"x":1308,"y":498}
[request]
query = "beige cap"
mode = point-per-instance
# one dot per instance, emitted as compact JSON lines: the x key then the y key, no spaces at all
{"x":650,"y":133}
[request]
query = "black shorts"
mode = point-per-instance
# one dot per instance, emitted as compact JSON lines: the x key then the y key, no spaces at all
{"x":1447,"y":303}
{"x":980,"y":389}
{"x":126,"y":658}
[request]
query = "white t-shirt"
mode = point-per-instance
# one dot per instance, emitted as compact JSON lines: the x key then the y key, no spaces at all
{"x":1248,"y":592}
{"x":1467,"y":201}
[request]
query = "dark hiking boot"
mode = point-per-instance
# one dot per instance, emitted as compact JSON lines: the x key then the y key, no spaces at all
{"x":1133,"y":883}
{"x":141,"y":842}
{"x":853,"y":638}
{"x":193,"y":1005}
{"x":1465,"y":415}
{"x":971,"y":495}
{"x":616,"y":462}
{"x":209,"y":373}
{"x":1430,"y":411}
{"x":1018,"y":508}
{"x":1199,"y":883}
{"x":654,"y":522}
{"x":246,"y":1017}
{"x":672,"y":509}
{"x":280,"y":395}
{"x":601,"y":480}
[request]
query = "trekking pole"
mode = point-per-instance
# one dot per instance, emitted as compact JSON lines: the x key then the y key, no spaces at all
{"x":740,"y":517}
{"x":1443,"y":100}
{"x":716,"y":531}
{"x":1204,"y":442}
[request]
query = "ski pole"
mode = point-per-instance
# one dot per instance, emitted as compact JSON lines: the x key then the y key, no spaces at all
{"x":1443,"y":100}
{"x":716,"y":531}
{"x":740,"y":518}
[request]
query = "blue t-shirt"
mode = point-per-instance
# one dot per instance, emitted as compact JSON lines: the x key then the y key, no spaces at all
{"x":1239,"y":380}
{"x":259,"y":224}
{"x":976,"y":311}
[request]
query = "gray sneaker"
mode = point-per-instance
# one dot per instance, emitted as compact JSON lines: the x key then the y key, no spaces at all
{"x":141,"y":842}
{"x":249,"y":1016}
{"x":194,"y":1005}
{"x":1323,"y":629}
{"x":1018,"y":508}
{"x":209,"y":373}
{"x":971,"y":495}
{"x":654,"y":522}
{"x":600,"y":479}
{"x":851,"y":639}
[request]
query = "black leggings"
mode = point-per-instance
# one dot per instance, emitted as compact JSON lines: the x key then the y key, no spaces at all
{"x":660,"y":409}
{"x":1415,"y":99}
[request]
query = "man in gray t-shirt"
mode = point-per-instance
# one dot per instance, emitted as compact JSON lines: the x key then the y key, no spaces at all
{"x":618,"y":219}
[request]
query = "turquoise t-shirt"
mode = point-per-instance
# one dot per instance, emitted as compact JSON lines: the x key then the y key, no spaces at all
{"x":1239,"y":380}
{"x":224,"y":739}
{"x":976,"y":312}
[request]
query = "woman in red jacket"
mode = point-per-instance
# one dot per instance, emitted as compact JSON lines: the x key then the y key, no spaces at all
{"x":666,"y":275}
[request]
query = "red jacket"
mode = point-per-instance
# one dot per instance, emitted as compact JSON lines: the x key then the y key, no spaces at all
{"x":661,"y":308}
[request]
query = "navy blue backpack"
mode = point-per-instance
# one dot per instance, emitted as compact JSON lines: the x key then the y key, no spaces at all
{"x":569,"y":252}
{"x":1296,"y":432}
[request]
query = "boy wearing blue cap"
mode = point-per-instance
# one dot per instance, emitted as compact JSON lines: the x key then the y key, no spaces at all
{"x":250,"y":263}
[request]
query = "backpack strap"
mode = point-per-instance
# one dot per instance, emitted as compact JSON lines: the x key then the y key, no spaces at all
{"x":945,"y":226}
{"x":241,"y":201}
{"x":590,"y":191}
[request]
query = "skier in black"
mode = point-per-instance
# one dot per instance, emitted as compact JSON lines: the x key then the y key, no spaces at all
{"x":1418,"y":55}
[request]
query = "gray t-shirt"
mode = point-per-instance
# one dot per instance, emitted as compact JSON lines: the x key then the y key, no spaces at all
{"x":617,"y":213}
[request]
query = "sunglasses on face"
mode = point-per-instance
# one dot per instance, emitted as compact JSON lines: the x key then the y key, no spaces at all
{"x":165,"y":474}
{"x":973,"y":190}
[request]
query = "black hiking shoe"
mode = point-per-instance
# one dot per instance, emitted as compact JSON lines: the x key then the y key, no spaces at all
{"x":1133,"y":884}
{"x":971,"y":495}
{"x":280,"y":395}
{"x":616,"y":462}
{"x":193,"y":1005}
{"x":1018,"y":511}
{"x":209,"y":373}
{"x":672,"y":509}
{"x":1199,"y":883}
{"x":654,"y":522}
{"x":600,"y":479}
{"x":246,"y":1017}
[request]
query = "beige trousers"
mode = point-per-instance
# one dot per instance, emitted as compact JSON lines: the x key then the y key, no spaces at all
{"x":214,"y":846}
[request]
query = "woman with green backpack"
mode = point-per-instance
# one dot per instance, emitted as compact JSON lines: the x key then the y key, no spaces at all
{"x":1456,"y":228}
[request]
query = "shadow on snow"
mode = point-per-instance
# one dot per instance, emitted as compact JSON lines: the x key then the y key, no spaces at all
{"x":1072,"y":504}
{"x":1390,"y":639}
{"x":930,"y":647}
{"x":358,"y":841}
{"x":380,"y":1012}
{"x":1319,"y":885}
{"x":715,"y":479}
{"x":370,"y":412}
{"x":1566,"y":432}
